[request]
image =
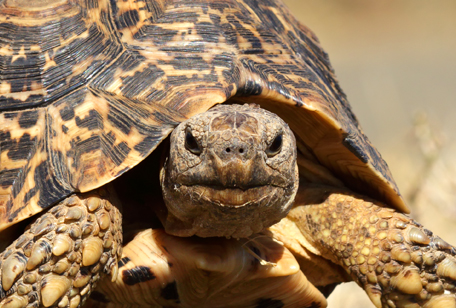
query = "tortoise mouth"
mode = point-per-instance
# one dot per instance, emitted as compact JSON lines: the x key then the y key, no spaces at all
{"x":233,"y":196}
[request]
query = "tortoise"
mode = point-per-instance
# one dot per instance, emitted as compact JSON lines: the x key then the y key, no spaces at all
{"x":271,"y":193}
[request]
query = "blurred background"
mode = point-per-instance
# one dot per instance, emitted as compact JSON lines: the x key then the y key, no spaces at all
{"x":396,"y":61}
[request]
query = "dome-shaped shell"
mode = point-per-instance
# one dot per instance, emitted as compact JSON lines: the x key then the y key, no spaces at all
{"x":89,"y":88}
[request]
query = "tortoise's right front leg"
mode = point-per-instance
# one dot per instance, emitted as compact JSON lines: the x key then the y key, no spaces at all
{"x":59,"y":259}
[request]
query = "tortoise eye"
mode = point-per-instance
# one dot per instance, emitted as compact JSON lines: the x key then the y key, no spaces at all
{"x":190,"y":142}
{"x":275,"y":146}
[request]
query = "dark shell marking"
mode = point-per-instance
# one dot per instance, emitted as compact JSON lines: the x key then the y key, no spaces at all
{"x":270,"y":303}
{"x":137,"y":274}
{"x":170,"y":292}
{"x":88,"y":99}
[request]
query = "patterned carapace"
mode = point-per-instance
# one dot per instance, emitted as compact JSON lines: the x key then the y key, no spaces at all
{"x":89,"y":88}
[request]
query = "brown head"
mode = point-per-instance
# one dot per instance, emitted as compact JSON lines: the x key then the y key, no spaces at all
{"x":231,"y":172}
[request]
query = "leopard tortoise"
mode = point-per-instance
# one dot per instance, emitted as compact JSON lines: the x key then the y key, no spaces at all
{"x":90,"y":89}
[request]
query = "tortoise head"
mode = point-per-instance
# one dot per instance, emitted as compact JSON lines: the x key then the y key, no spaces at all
{"x":231,"y":172}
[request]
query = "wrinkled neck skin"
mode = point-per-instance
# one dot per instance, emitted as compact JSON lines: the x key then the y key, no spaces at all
{"x":397,"y":261}
{"x":231,"y":172}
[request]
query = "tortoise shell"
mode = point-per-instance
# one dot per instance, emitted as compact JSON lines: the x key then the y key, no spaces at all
{"x":88,"y":89}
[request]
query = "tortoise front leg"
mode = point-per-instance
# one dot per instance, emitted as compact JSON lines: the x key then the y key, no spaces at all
{"x":397,"y":261}
{"x":60,"y":258}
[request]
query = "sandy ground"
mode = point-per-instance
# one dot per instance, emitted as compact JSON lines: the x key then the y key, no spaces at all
{"x":396,"y":61}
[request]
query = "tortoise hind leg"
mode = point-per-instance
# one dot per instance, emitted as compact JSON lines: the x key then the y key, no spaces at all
{"x":59,"y":259}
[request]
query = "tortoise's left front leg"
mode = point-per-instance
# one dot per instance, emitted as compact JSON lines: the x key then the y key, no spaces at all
{"x":60,"y":258}
{"x":396,"y":260}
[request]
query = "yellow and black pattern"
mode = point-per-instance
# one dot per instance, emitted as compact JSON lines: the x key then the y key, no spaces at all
{"x":89,"y":88}
{"x":159,"y":270}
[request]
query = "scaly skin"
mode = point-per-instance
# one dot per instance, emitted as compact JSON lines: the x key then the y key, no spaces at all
{"x":396,"y":260}
{"x":61,"y":257}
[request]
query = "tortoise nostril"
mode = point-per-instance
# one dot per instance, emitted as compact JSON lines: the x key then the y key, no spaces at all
{"x":235,"y":149}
